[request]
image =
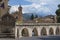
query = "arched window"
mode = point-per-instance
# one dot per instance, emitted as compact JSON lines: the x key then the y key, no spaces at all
{"x":34,"y":32}
{"x":43,"y":31}
{"x":25,"y":32}
{"x":57,"y":31}
{"x":17,"y":32}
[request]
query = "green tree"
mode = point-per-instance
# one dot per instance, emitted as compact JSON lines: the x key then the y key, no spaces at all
{"x":36,"y":16}
{"x":59,"y":6}
{"x":58,"y":14}
{"x":32,"y":17}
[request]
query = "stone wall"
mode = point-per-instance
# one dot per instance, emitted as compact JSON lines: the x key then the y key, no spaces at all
{"x":41,"y":29}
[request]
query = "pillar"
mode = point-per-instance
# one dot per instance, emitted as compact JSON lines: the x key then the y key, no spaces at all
{"x":59,"y":30}
{"x":30,"y":32}
{"x":15,"y":32}
{"x":47,"y":31}
{"x":20,"y":34}
{"x":54,"y":31}
{"x":39,"y":32}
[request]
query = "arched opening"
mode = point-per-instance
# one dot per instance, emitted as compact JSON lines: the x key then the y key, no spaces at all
{"x":17,"y":32}
{"x":34,"y":32}
{"x":51,"y":32}
{"x":57,"y":31}
{"x":25,"y":32}
{"x":43,"y":31}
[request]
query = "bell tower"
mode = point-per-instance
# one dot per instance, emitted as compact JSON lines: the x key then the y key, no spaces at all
{"x":3,"y":7}
{"x":20,"y":14}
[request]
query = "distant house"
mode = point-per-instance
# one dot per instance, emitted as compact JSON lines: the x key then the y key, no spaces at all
{"x":46,"y":19}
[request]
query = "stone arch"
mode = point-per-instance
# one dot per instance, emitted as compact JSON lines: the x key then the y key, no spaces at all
{"x":57,"y":31}
{"x":25,"y":32}
{"x":43,"y":31}
{"x":34,"y":32}
{"x":51,"y":32}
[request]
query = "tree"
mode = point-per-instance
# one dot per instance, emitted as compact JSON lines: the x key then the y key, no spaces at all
{"x":58,"y":14}
{"x":32,"y":17}
{"x":36,"y":16}
{"x":59,"y":6}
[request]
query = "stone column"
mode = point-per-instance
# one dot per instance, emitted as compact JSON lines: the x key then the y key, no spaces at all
{"x":30,"y":32}
{"x":47,"y":32}
{"x":20,"y":34}
{"x":15,"y":32}
{"x":59,"y":30}
{"x":54,"y":31}
{"x":38,"y":31}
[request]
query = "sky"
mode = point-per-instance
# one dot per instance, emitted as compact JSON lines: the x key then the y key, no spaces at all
{"x":47,"y":7}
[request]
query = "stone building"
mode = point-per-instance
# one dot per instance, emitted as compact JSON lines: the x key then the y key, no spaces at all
{"x":47,"y":19}
{"x":11,"y":26}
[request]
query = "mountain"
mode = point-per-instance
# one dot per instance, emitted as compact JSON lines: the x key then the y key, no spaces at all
{"x":27,"y":16}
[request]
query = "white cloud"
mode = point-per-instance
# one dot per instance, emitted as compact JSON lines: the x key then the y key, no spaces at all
{"x":14,"y":8}
{"x":46,"y":6}
{"x":31,"y":8}
{"x":44,"y":1}
{"x":35,"y":8}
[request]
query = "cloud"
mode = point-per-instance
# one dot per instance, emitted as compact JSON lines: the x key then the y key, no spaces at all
{"x":46,"y":6}
{"x":35,"y":8}
{"x":38,"y":6}
{"x":44,"y":1}
{"x":14,"y":8}
{"x":30,"y":8}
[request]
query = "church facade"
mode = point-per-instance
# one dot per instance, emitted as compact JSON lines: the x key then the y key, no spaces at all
{"x":12,"y":25}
